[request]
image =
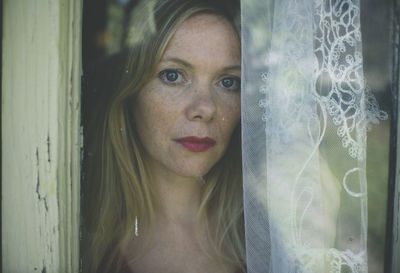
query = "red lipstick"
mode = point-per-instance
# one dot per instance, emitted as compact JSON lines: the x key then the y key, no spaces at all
{"x":196,"y":144}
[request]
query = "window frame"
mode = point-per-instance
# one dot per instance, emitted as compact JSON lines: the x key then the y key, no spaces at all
{"x":41,"y":135}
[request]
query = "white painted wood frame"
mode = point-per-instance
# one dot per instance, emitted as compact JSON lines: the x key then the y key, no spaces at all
{"x":41,"y":139}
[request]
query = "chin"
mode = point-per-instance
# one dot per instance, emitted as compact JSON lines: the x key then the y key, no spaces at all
{"x":194,"y":170}
{"x":194,"y":173}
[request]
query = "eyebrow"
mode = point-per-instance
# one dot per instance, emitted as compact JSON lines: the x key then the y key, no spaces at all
{"x":177,"y":60}
{"x":232,"y":67}
{"x":186,"y":64}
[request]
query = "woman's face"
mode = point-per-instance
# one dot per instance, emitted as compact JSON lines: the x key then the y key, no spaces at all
{"x":187,"y":112}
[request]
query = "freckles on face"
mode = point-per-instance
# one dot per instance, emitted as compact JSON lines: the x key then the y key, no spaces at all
{"x":186,"y":113}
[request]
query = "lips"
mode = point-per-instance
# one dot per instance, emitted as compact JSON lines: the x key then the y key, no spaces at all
{"x":196,"y":144}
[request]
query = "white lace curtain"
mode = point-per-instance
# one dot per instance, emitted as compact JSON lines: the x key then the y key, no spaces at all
{"x":306,"y":111}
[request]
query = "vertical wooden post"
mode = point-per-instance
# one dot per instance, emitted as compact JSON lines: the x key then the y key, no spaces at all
{"x":41,"y":135}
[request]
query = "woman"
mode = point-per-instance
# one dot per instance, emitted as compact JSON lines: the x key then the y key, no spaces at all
{"x":163,"y":192}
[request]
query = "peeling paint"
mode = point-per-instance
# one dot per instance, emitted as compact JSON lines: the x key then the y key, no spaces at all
{"x":38,"y":185}
{"x":39,"y":196}
{"x":46,"y":207}
{"x":37,"y":156}
{"x":48,"y":149}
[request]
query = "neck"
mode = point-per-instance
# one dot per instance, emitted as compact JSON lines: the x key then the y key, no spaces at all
{"x":178,"y":197}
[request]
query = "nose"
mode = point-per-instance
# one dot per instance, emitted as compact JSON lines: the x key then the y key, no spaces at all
{"x":202,"y":107}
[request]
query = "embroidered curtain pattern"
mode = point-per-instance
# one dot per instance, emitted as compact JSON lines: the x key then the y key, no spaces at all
{"x":305,"y":103}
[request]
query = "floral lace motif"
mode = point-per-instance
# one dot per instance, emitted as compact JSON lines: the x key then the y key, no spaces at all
{"x":330,"y":260}
{"x":340,"y":84}
{"x":302,"y":89}
{"x":338,"y":76}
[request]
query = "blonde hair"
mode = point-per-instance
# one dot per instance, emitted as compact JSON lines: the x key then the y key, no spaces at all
{"x":118,"y":191}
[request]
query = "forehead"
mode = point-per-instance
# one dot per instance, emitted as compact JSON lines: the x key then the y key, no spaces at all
{"x":204,"y":35}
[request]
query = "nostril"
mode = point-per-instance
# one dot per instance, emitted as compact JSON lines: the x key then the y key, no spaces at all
{"x":201,"y":108}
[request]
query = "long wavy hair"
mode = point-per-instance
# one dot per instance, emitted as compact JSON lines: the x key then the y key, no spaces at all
{"x":117,"y":191}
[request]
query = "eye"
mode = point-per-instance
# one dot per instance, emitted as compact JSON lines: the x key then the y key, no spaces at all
{"x":230,"y":83}
{"x":171,"y":76}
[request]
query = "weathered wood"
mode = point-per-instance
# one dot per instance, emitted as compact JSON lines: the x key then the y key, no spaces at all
{"x":41,"y":135}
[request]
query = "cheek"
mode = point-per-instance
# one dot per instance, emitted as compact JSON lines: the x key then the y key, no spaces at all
{"x":152,"y":117}
{"x":229,"y":119}
{"x":231,"y":113}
